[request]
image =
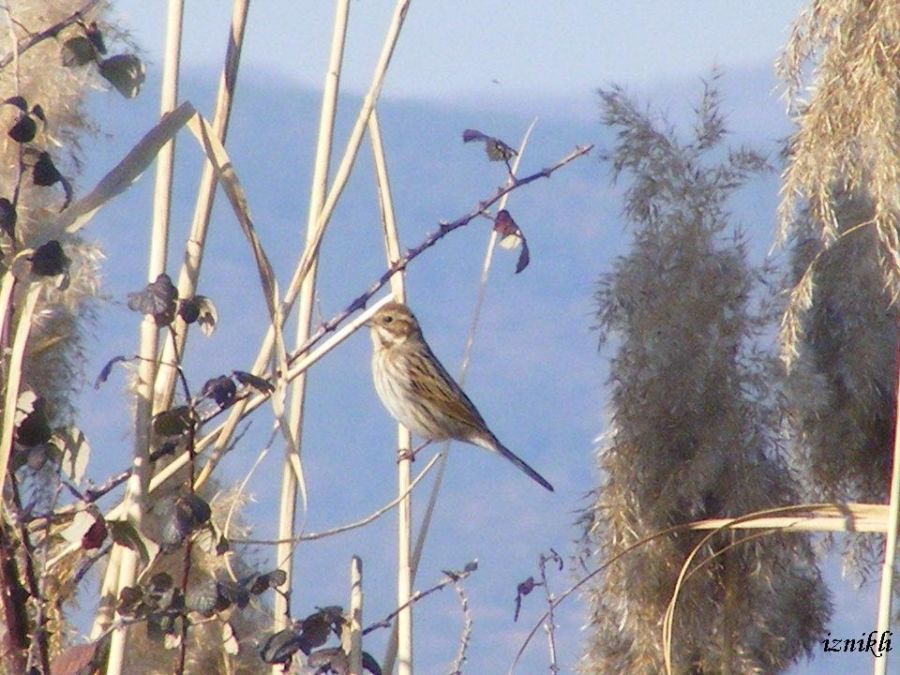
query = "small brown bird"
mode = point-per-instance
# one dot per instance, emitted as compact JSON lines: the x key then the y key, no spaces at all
{"x":419,"y":393}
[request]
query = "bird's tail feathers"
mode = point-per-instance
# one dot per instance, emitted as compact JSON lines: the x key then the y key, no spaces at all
{"x":519,"y":462}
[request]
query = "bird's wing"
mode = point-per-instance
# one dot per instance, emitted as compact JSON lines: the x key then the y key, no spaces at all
{"x":454,"y":402}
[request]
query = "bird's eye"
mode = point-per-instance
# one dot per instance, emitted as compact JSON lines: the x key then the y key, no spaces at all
{"x":388,"y":318}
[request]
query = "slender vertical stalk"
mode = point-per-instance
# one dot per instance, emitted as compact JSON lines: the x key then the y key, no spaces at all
{"x":318,"y":193}
{"x":15,"y":594}
{"x":890,"y":543}
{"x":339,"y":182}
{"x":392,"y":651}
{"x":206,"y":192}
{"x":356,"y":613}
{"x":162,"y":199}
{"x":404,"y":438}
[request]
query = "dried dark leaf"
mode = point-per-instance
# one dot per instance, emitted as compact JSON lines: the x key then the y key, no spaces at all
{"x":209,"y":315}
{"x":524,"y":257}
{"x":496,"y":149}
{"x":260,"y":583}
{"x":93,"y":33}
{"x":191,"y":511}
{"x":95,"y":536}
{"x":161,"y":625}
{"x":107,"y":369}
{"x":8,"y":217}
{"x":189,"y":309}
{"x":173,"y":422}
{"x":316,"y":628}
{"x":235,"y":593}
{"x":34,"y":428}
{"x":261,"y":384}
{"x":159,"y":299}
{"x":160,"y":583}
{"x":171,"y":536}
{"x":370,"y":664}
{"x":203,"y":597}
{"x":280,"y":647}
{"x":200,"y":309}
{"x":220,"y":389}
{"x":78,"y":51}
{"x":523,"y":589}
{"x":504,"y":225}
{"x":24,"y":130}
{"x":125,"y":72}
{"x":511,"y":235}
{"x":45,"y":172}
{"x":49,"y":260}
{"x":330,"y":660}
{"x":130,"y":599}
{"x":124,"y":533}
{"x":17,"y":101}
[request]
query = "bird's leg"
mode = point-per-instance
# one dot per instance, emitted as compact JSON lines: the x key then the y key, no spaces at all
{"x":410,"y":454}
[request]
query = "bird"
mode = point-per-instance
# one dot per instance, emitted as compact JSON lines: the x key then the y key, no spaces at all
{"x":419,"y":393}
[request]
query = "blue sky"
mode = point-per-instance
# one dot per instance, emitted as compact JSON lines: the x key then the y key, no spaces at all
{"x":536,"y":374}
{"x":460,"y":48}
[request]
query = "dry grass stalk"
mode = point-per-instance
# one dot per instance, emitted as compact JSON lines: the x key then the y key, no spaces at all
{"x":324,"y":142}
{"x":405,"y":566}
{"x":136,"y":488}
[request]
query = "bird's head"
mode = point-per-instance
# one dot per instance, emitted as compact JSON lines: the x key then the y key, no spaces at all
{"x":392,"y":325}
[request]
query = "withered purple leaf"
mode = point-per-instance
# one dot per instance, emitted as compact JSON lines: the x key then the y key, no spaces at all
{"x":173,"y":422}
{"x":260,"y":583}
{"x":49,"y":260}
{"x":159,"y":299}
{"x":220,"y":389}
{"x":191,"y":511}
{"x":34,"y":429}
{"x":524,"y":256}
{"x":17,"y":101}
{"x":370,"y":664}
{"x":45,"y":172}
{"x":125,"y":72}
{"x":280,"y":647}
{"x":234,"y":593}
{"x":504,"y":225}
{"x":203,"y":597}
{"x":24,"y":130}
{"x":95,"y":535}
{"x":93,"y":33}
{"x":496,"y":149}
{"x":261,"y":384}
{"x":78,"y":51}
{"x":506,"y":228}
{"x":8,"y":217}
{"x":130,"y":599}
{"x":107,"y":370}
{"x":329,"y":660}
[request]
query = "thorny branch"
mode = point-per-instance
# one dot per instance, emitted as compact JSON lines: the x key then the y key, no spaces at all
{"x":466,"y":635}
{"x":450,"y":577}
{"x":443,"y":230}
